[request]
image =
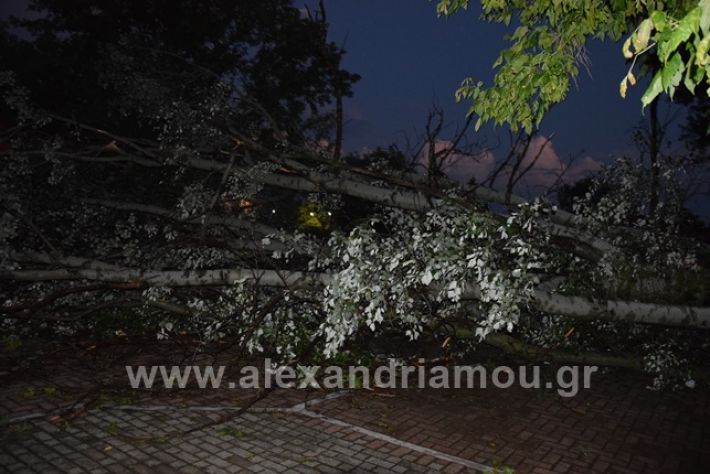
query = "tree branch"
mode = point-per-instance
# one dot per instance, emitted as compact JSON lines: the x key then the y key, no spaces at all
{"x":571,"y":306}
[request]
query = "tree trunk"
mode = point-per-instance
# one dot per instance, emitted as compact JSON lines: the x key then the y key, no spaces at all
{"x":571,"y":306}
{"x":654,"y":139}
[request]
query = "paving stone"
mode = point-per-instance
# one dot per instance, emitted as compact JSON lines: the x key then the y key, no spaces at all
{"x":617,"y":427}
{"x":266,"y":446}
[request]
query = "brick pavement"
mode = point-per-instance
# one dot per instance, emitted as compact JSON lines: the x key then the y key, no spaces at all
{"x":106,"y":440}
{"x":143,"y":431}
{"x":617,"y":426}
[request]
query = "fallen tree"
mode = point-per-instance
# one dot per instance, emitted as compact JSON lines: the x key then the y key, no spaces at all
{"x":548,"y":302}
{"x":193,"y":222}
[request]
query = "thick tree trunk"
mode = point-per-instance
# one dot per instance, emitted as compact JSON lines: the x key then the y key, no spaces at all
{"x":563,"y":223}
{"x":571,"y":306}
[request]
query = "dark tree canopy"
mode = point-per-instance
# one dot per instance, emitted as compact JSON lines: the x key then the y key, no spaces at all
{"x":106,"y":60}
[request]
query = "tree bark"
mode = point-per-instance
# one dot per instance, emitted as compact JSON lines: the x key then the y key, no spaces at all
{"x":571,"y":306}
{"x":654,"y":138}
{"x":563,"y":224}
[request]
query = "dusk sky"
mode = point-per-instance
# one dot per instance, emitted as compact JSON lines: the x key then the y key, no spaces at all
{"x":409,"y":59}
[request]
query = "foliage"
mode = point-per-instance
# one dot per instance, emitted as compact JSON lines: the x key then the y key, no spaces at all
{"x":548,"y":49}
{"x":651,"y":256}
{"x":126,"y":216}
{"x":682,"y":38}
{"x":382,"y":270}
{"x":120,"y":63}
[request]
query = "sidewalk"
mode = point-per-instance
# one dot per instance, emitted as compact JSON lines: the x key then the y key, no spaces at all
{"x":98,"y":443}
{"x":616,"y":426}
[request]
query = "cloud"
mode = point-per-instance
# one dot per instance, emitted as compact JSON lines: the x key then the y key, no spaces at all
{"x":461,"y":167}
{"x":581,"y":169}
{"x":546,"y":167}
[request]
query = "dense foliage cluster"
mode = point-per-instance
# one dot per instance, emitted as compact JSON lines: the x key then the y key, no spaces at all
{"x":548,"y":49}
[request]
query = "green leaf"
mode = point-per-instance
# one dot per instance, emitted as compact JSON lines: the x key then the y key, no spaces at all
{"x":688,"y":81}
{"x":701,"y":55}
{"x":449,"y":7}
{"x":622,"y":88}
{"x":672,"y":73}
{"x":660,"y":21}
{"x":686,"y":27}
{"x":689,"y":84}
{"x":653,"y":90}
{"x":705,"y":16}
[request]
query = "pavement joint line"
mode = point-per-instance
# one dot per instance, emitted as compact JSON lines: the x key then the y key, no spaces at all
{"x":298,"y":406}
{"x":395,"y":441}
{"x":302,"y":408}
{"x":316,"y":401}
{"x":298,"y":409}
